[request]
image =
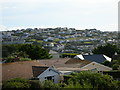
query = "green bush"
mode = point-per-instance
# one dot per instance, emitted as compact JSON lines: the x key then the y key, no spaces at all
{"x":107,"y":63}
{"x":9,"y":59}
{"x":16,"y":83}
{"x":115,"y":67}
{"x":81,"y":80}
{"x":49,"y":84}
{"x":114,"y":73}
{"x":25,"y":59}
{"x":70,"y":55}
{"x":35,"y":84}
{"x":92,"y":80}
{"x":19,"y":54}
{"x":14,"y":59}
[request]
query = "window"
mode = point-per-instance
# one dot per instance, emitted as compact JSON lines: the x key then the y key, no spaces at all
{"x":50,"y":78}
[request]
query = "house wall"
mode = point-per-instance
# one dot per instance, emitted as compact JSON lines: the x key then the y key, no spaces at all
{"x":47,"y":73}
{"x":55,"y":56}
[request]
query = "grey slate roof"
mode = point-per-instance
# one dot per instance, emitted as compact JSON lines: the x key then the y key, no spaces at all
{"x":37,"y":70}
{"x":96,"y":57}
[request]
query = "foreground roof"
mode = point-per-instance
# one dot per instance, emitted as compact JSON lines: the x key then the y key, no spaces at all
{"x":23,"y":69}
{"x":18,"y":69}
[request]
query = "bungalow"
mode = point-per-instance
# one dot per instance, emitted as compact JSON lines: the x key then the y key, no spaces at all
{"x":46,"y":73}
{"x":30,"y":69}
{"x":21,"y":69}
{"x":95,"y":57}
{"x":94,"y":66}
{"x":77,"y":65}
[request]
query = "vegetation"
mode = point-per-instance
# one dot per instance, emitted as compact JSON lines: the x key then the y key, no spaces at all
{"x":91,"y":80}
{"x":23,"y":83}
{"x":75,"y":80}
{"x":115,"y":64}
{"x":108,"y":49}
{"x":114,"y":73}
{"x":23,"y":52}
{"x":107,"y":63}
{"x":35,"y":51}
{"x":16,"y":83}
{"x":70,"y":55}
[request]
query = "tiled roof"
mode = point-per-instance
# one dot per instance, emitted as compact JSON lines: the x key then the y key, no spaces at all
{"x":71,"y":69}
{"x":96,"y":57}
{"x":60,"y":62}
{"x":37,"y":70}
{"x":18,"y":69}
{"x":24,"y":69}
{"x":76,"y":61}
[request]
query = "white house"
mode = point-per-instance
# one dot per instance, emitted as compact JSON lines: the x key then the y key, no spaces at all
{"x":46,"y":73}
{"x":54,"y":54}
{"x":95,"y":66}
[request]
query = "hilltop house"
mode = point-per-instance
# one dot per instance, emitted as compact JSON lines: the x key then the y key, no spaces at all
{"x":99,"y":58}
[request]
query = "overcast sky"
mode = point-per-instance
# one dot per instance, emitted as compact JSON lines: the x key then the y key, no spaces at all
{"x":79,"y":14}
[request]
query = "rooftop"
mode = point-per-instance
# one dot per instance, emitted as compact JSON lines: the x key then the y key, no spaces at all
{"x":18,"y":69}
{"x":37,"y":70}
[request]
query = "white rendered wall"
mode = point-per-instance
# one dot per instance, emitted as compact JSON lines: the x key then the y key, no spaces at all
{"x":47,"y":73}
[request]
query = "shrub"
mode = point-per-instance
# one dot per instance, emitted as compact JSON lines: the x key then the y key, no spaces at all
{"x":70,"y":55}
{"x":49,"y":84}
{"x":25,"y":59}
{"x":16,"y":83}
{"x":107,"y":63}
{"x":9,"y":59}
{"x":35,"y":84}
{"x":115,"y":67}
{"x":92,"y":80}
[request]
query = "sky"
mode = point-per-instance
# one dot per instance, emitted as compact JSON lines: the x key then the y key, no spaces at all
{"x":79,"y":14}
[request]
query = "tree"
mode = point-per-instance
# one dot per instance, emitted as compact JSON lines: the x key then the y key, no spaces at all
{"x":115,"y":66}
{"x":8,"y":49}
{"x":25,"y":50}
{"x":87,"y":79}
{"x":35,"y":51}
{"x":17,"y":56}
{"x":108,"y":50}
{"x":107,"y":63}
